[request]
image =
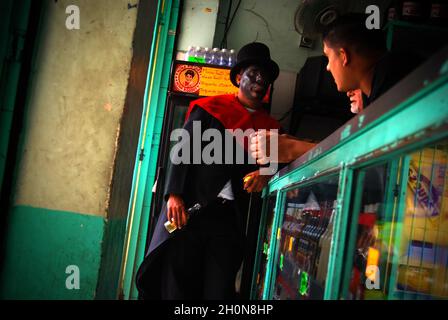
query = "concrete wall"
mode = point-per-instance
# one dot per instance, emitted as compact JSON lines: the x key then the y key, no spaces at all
{"x":270,"y":22}
{"x":73,"y":121}
{"x":198,"y":24}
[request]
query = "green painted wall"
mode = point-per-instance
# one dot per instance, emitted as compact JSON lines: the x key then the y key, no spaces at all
{"x":41,"y":244}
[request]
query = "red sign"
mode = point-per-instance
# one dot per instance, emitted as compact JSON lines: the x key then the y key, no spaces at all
{"x":186,"y":78}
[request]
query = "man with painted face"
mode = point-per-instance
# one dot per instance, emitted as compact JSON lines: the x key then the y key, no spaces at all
{"x":201,"y":258}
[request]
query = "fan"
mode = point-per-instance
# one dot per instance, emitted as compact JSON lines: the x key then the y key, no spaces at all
{"x":312,"y":16}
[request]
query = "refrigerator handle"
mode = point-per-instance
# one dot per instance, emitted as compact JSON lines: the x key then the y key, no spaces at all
{"x":156,"y":181}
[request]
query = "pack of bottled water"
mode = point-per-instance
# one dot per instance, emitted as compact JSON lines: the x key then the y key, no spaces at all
{"x":215,"y":56}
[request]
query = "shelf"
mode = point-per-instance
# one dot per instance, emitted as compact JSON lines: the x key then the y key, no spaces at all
{"x":419,"y":26}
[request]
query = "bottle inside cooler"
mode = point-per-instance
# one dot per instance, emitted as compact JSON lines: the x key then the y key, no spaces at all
{"x":439,"y":13}
{"x":394,"y":11}
{"x":415,"y":10}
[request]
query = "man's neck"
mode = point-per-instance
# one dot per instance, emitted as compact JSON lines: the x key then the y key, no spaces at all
{"x":248,"y":104}
{"x":367,"y":80}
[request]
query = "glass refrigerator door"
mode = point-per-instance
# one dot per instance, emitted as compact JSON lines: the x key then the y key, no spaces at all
{"x":178,"y":112}
{"x":369,"y":245}
{"x":304,"y":241}
{"x":263,"y":254}
{"x":174,"y":118}
{"x":399,"y":238}
{"x":422,"y":268}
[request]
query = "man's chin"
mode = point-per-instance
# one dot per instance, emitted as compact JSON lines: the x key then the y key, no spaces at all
{"x":258,"y":95}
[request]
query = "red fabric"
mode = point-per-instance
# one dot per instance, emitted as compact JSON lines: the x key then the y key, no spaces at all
{"x":355,"y":281}
{"x":231,"y":113}
{"x":367,"y":219}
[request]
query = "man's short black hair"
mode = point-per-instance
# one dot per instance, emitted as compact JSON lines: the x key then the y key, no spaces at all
{"x":350,"y":31}
{"x":190,"y":72}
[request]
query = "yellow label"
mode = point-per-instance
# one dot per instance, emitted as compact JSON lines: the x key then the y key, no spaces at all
{"x":291,"y":241}
{"x":215,"y":81}
{"x":372,"y":260}
{"x":373,"y":257}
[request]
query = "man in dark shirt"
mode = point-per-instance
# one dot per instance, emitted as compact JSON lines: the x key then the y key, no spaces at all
{"x":389,"y":70}
{"x":358,"y":59}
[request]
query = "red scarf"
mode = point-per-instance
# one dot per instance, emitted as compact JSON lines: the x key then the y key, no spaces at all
{"x":232,"y":114}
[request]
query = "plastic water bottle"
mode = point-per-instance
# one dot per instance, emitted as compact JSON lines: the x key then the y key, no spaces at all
{"x":215,"y":56}
{"x":199,"y":55}
{"x":232,"y":58}
{"x":207,"y":55}
{"x":189,"y":55}
{"x":224,"y":60}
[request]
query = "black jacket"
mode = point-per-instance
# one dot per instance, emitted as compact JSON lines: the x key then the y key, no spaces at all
{"x":195,"y":183}
{"x":389,"y":70}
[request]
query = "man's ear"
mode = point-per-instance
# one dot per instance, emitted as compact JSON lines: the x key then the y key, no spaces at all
{"x":238,"y":78}
{"x":345,"y":56}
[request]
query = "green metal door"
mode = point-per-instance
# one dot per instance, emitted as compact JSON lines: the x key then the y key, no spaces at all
{"x":162,"y":51}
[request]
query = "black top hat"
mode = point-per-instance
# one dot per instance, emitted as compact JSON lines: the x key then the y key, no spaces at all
{"x":254,"y":53}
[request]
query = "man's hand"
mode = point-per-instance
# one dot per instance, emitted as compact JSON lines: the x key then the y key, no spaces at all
{"x":289,"y":147}
{"x":254,"y":182}
{"x":176,"y":211}
{"x":356,"y":103}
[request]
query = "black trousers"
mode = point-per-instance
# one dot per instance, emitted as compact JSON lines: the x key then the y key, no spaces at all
{"x":202,"y":260}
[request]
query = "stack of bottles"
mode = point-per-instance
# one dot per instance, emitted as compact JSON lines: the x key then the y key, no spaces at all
{"x":215,"y":56}
{"x":420,"y":11}
{"x":315,"y":225}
